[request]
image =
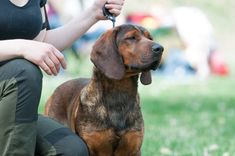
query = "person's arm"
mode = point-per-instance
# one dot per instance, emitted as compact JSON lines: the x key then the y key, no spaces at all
{"x":46,"y":54}
{"x":64,"y":36}
{"x":8,"y":50}
{"x":42,"y":54}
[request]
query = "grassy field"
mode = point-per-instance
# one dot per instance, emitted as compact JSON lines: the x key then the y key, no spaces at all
{"x":189,"y":119}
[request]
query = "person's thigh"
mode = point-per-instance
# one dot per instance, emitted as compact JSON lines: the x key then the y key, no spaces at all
{"x":27,"y":78}
{"x":20,"y":90}
{"x":54,"y":139}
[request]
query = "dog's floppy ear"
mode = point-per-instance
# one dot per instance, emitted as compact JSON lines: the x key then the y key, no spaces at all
{"x":106,"y":57}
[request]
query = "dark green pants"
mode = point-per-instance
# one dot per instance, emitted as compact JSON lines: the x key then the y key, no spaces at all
{"x":22,"y":133}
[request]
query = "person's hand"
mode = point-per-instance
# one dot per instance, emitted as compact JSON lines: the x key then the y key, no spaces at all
{"x":46,"y":56}
{"x":114,"y":7}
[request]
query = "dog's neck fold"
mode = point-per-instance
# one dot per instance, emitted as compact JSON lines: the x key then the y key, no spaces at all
{"x":114,"y":92}
{"x":128,"y":85}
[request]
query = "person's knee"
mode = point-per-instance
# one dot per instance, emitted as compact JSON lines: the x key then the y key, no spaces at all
{"x":29,"y":72}
{"x":29,"y":84}
{"x":23,"y":71}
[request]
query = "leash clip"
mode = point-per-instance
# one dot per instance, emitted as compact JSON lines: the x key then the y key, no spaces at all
{"x":109,"y":15}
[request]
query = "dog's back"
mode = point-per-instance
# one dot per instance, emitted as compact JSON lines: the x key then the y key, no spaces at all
{"x":60,"y":105}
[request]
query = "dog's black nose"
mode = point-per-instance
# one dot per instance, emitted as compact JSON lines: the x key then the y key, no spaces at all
{"x":157,"y":49}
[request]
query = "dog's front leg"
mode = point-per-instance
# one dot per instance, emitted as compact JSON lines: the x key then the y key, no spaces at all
{"x":100,"y":143}
{"x":130,"y":144}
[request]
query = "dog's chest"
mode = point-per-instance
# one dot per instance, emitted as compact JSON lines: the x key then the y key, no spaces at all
{"x":120,"y":114}
{"x":118,"y":111}
{"x":111,"y":104}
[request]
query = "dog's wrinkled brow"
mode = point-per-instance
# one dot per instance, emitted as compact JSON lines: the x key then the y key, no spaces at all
{"x":129,"y":29}
{"x":130,"y":33}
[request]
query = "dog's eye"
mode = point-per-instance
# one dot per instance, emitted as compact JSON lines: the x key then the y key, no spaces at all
{"x":131,"y":38}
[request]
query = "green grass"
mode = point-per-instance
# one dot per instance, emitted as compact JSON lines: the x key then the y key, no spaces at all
{"x":189,"y":119}
{"x":183,"y":118}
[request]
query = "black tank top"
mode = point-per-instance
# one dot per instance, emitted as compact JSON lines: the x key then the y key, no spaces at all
{"x":20,"y":22}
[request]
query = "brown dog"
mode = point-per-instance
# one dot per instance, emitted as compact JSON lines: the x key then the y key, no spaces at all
{"x":105,"y":110}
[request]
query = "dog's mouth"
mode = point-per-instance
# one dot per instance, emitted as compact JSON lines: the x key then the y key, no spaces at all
{"x":145,"y":67}
{"x":154,"y":65}
{"x":145,"y":76}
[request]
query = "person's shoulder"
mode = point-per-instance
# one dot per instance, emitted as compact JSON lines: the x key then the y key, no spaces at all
{"x":43,"y":3}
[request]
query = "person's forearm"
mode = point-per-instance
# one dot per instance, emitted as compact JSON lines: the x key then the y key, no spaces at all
{"x":9,"y":49}
{"x":64,"y":36}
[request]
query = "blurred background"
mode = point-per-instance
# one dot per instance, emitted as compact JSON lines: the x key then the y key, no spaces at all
{"x":189,"y":109}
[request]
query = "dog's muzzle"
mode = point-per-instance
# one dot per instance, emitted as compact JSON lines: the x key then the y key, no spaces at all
{"x":157,"y":50}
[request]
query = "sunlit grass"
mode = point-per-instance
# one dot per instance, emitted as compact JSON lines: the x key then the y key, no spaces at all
{"x":195,"y":119}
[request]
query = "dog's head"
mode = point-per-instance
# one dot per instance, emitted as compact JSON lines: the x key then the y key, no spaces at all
{"x":125,"y":51}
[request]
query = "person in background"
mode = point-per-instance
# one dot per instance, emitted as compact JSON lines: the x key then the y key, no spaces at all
{"x":197,"y":35}
{"x":61,"y":11}
{"x":26,"y":46}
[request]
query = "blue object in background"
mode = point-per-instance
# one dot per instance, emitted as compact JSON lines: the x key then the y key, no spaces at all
{"x":176,"y":65}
